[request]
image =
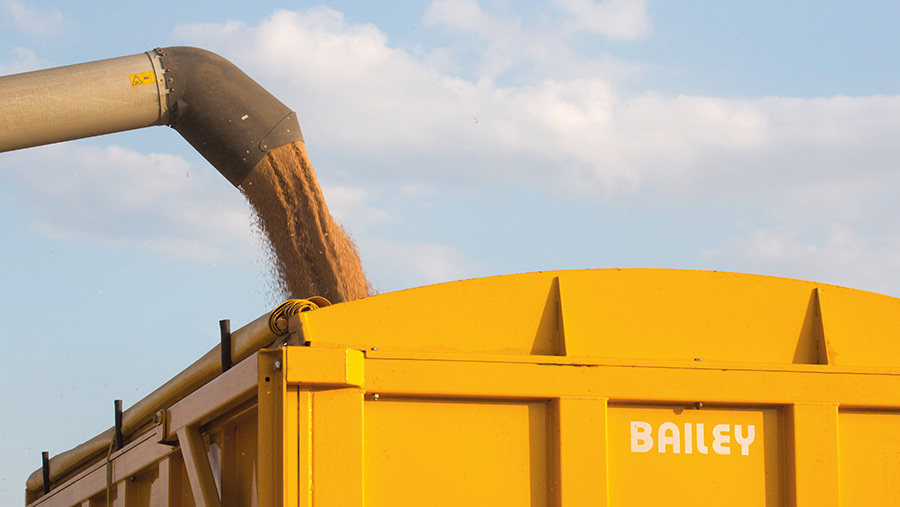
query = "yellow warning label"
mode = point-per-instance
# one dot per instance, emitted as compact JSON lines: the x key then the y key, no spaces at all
{"x":144,"y":78}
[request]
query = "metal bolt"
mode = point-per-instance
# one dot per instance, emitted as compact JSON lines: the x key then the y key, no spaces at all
{"x":698,"y":405}
{"x":696,"y":359}
{"x":375,"y":348}
{"x":277,"y":365}
{"x":375,"y":397}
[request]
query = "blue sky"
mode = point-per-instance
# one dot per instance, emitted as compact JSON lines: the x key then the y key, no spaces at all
{"x":453,"y":139}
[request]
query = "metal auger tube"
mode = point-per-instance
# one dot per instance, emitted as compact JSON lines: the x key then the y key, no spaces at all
{"x":223,"y":113}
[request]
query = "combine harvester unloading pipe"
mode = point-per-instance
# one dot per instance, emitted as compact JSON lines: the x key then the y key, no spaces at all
{"x":223,"y":113}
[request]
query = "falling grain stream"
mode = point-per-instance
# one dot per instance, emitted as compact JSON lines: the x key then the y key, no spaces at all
{"x":311,"y":254}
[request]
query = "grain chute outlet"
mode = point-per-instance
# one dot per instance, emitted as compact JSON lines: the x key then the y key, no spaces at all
{"x":558,"y":388}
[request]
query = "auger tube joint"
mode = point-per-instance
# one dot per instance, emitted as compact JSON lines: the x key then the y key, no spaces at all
{"x":223,"y":113}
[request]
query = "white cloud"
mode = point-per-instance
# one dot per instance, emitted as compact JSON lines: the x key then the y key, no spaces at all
{"x":408,"y":118}
{"x":617,"y":19}
{"x":118,"y":197}
{"x":415,"y":263}
{"x":837,"y":254}
{"x":391,"y":115}
{"x":466,"y":15}
{"x":400,"y":117}
{"x":32,"y":20}
{"x":506,"y":46}
{"x":352,"y":204}
{"x":24,"y":60}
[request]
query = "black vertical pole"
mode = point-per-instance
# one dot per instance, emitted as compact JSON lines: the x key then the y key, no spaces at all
{"x":225,"y":336}
{"x":120,"y":439}
{"x":45,"y":468}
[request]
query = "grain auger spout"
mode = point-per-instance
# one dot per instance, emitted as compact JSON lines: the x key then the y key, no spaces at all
{"x":223,"y":113}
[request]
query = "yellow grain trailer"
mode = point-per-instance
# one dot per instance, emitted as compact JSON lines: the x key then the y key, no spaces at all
{"x":593,"y":387}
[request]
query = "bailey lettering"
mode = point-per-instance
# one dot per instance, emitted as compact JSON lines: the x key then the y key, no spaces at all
{"x":671,"y":438}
